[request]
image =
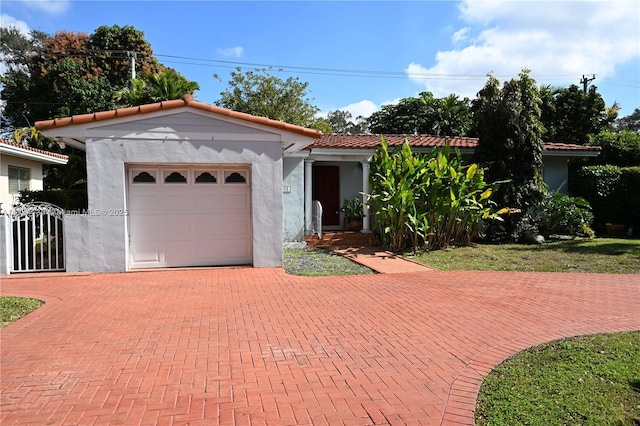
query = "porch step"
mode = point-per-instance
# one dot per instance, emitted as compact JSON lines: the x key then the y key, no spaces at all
{"x":346,"y":238}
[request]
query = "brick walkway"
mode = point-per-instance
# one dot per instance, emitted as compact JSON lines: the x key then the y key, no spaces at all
{"x":256,"y":346}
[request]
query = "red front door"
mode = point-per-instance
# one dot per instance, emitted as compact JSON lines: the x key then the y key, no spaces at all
{"x":326,"y":189}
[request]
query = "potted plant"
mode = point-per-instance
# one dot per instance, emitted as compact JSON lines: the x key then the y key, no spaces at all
{"x":353,"y":214}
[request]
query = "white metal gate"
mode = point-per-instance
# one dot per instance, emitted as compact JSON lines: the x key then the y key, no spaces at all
{"x":38,"y":238}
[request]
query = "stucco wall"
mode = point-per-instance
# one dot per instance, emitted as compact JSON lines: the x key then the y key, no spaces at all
{"x":76,"y":243}
{"x":35,"y":183}
{"x":555,"y":173}
{"x":107,"y":160}
{"x":293,"y":198}
{"x":5,"y":244}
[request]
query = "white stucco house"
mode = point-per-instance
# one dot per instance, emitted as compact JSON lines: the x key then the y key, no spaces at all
{"x":21,"y":168}
{"x":183,"y":183}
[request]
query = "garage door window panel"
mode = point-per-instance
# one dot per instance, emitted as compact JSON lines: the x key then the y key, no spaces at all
{"x":235,"y":177}
{"x":143,"y":176}
{"x":175,"y":176}
{"x":206,"y":177}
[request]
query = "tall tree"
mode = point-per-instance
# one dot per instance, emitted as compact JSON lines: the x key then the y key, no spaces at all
{"x":426,"y":114}
{"x":630,"y":122}
{"x":507,"y":122}
{"x":342,"y":122}
{"x":261,"y":93}
{"x":71,"y":73}
{"x":570,"y":115}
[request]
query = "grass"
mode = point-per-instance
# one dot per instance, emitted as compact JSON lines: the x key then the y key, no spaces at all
{"x":14,"y":308}
{"x":603,"y":255}
{"x":320,"y":262}
{"x":590,"y":380}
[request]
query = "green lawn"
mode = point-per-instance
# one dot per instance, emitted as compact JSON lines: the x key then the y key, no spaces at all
{"x":591,"y":380}
{"x":14,"y":308}
{"x":320,"y":262}
{"x":603,"y":255}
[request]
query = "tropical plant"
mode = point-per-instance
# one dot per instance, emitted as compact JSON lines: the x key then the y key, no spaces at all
{"x":352,"y":209}
{"x":507,"y":123}
{"x":429,"y":201}
{"x":563,"y":215}
{"x":162,"y":86}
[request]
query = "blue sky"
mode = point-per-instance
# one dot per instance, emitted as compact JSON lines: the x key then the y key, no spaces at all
{"x":361,"y":55}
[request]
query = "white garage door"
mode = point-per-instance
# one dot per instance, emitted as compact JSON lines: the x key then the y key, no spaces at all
{"x":189,"y":216}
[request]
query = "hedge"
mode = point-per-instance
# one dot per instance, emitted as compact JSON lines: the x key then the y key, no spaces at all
{"x":612,"y":191}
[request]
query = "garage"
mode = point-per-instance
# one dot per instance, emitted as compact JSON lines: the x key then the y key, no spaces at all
{"x":189,"y":215}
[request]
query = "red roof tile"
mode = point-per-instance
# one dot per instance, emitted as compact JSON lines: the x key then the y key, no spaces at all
{"x":343,"y":141}
{"x":187,"y":100}
{"x":36,"y":150}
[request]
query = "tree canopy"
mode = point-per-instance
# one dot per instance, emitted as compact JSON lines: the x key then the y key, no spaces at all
{"x":258,"y":92}
{"x":449,"y":116}
{"x":570,"y":115}
{"x":507,"y":122}
{"x":342,"y":122}
{"x":75,"y":73}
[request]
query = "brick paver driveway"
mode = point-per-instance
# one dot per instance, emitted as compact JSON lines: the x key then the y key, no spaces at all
{"x":256,"y":346}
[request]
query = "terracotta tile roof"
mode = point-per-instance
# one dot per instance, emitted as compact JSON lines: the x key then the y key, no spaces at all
{"x":35,"y":150}
{"x":342,"y":141}
{"x":187,"y":100}
{"x":556,"y":146}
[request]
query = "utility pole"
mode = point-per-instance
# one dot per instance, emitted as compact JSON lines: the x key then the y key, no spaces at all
{"x":585,"y":81}
{"x":132,"y":56}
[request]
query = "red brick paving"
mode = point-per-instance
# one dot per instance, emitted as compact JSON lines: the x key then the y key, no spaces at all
{"x":257,"y":346}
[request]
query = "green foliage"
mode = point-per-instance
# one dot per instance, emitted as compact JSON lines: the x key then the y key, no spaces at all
{"x":600,"y":186}
{"x":587,"y":380}
{"x":564,"y":215}
{"x":352,"y":209}
{"x":631,"y":122}
{"x":449,"y":116}
{"x":67,"y":199}
{"x":70,"y":73}
{"x":430,"y":201}
{"x":164,"y":85}
{"x":618,"y":149}
{"x":263,"y":94}
{"x":341,"y":122}
{"x":570,"y":115}
{"x":507,"y":122}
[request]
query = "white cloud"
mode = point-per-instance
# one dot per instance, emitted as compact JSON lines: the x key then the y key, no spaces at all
{"x":460,"y":35}
{"x":234,"y":52}
{"x":7,"y":21}
{"x":363,"y":108}
{"x":557,"y":41}
{"x":49,"y":6}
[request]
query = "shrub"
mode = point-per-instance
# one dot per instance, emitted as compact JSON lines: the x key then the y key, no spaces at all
{"x":564,"y":215}
{"x":612,"y":191}
{"x":428,"y":200}
{"x":618,"y":149}
{"x":67,"y":199}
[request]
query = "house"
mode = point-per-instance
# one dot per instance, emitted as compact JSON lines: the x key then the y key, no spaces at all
{"x":183,"y":183}
{"x":21,"y":168}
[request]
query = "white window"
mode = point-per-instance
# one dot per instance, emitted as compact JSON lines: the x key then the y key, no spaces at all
{"x":18,"y":179}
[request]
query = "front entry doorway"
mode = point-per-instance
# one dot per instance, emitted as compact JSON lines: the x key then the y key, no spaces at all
{"x":326,"y":189}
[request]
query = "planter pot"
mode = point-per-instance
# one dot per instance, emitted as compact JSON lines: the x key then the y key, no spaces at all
{"x":352,"y":224}
{"x":616,"y":229}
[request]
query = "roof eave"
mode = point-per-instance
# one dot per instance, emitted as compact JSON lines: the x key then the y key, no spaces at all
{"x":15,"y":151}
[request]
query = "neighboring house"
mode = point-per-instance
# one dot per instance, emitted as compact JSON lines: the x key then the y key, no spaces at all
{"x":184,"y":183}
{"x":21,"y":168}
